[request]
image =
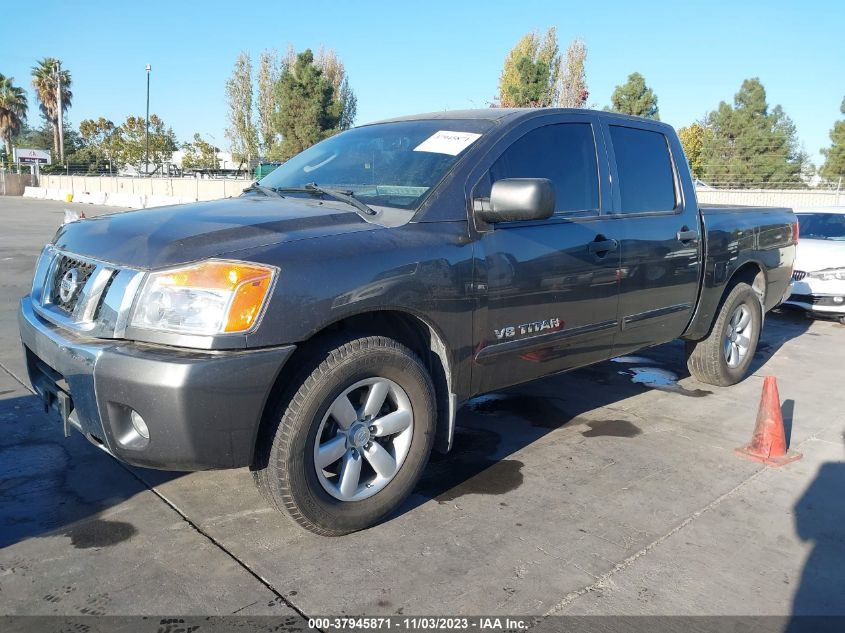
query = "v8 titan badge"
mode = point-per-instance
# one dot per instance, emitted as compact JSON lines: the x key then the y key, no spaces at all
{"x":534,"y":327}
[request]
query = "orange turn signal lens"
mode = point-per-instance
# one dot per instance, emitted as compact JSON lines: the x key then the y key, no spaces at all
{"x":247,"y":301}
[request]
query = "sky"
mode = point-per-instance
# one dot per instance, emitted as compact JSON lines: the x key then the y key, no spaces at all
{"x":409,"y":57}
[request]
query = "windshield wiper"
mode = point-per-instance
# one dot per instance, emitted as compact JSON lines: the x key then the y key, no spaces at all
{"x":267,"y":191}
{"x":342,"y":196}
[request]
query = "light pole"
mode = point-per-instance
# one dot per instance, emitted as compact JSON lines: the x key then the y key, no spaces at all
{"x":147,"y":133}
{"x":61,"y":111}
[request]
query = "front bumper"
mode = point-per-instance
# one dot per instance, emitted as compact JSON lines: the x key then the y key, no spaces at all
{"x":202,"y":408}
{"x":820,"y":296}
{"x":821,"y":304}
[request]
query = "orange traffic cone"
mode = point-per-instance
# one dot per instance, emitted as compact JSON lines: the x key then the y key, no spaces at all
{"x":768,"y":444}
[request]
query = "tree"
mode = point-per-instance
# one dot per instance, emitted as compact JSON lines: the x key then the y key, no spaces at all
{"x":750,"y":146}
{"x":306,"y":112}
{"x":44,"y":81}
{"x":535,"y":75}
{"x":101,"y":140}
{"x":572,"y":82}
{"x":268,"y":75}
{"x":530,"y":73}
{"x":834,"y":164}
{"x":199,"y":155}
{"x":344,"y":101}
{"x":532,"y":85}
{"x":692,"y":139}
{"x":13,"y":107}
{"x":132,"y":145}
{"x":35,"y":137}
{"x":241,"y":133}
{"x":636,"y":98}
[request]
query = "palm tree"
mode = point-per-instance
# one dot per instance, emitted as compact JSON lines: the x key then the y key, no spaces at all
{"x":12,"y":111}
{"x":44,"y":82}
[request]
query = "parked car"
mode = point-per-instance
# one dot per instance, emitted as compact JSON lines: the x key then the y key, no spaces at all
{"x":325,"y":334}
{"x":818,"y":282}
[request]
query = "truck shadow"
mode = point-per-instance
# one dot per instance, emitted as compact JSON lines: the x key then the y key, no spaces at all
{"x":819,"y":521}
{"x":50,"y":484}
{"x":480,"y":462}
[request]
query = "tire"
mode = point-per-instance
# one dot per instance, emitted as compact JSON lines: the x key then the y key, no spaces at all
{"x":358,"y":490}
{"x":718,"y":360}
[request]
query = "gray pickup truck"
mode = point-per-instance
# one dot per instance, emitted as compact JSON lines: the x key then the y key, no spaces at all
{"x":324,"y":327}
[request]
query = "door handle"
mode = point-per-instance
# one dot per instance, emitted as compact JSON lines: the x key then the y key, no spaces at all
{"x":602,"y":248}
{"x":686,"y":235}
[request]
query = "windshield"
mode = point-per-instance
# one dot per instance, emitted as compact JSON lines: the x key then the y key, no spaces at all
{"x":389,"y":164}
{"x":822,"y":226}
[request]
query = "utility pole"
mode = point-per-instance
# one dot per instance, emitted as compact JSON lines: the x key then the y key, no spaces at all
{"x":147,"y":151}
{"x":61,"y":111}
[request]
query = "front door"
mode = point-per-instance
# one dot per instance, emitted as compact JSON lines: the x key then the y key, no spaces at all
{"x":549,"y":289}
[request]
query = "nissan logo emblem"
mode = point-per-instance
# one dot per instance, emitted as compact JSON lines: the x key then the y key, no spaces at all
{"x":68,"y":285}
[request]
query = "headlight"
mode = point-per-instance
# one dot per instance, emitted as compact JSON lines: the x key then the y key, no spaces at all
{"x":828,"y":274}
{"x":212,"y":297}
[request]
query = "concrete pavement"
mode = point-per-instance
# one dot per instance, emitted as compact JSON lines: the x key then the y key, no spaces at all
{"x":610,"y":490}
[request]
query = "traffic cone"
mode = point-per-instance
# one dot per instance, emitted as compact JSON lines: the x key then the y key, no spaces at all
{"x":768,"y":444}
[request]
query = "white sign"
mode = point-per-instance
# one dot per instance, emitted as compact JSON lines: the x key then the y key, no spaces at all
{"x":446,"y":142}
{"x":32,"y":156}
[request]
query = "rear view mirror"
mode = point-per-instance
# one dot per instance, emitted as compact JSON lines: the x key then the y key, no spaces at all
{"x":515,"y":199}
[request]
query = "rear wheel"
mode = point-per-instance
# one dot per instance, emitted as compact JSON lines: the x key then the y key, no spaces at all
{"x":724,"y":356}
{"x":353,"y":440}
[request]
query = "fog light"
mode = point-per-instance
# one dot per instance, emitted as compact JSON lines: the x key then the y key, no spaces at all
{"x":839,"y":300}
{"x":139,"y":425}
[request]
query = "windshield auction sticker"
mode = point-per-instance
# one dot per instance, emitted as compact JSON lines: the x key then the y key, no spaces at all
{"x":446,"y":142}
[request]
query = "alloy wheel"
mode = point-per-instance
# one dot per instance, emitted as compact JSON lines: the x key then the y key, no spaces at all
{"x":363,"y":439}
{"x":738,"y":336}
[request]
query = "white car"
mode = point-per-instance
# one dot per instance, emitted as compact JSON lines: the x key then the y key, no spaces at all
{"x":818,"y":279}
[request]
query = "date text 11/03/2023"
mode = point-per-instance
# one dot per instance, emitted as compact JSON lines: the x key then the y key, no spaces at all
{"x":418,"y":623}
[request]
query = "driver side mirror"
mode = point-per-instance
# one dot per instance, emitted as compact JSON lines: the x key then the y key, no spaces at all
{"x":517,"y":199}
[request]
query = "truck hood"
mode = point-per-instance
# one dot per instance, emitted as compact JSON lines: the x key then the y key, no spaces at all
{"x":155,"y":238}
{"x":815,"y":254}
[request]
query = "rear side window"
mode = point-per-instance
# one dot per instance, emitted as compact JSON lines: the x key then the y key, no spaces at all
{"x":644,"y":169}
{"x":565,"y":154}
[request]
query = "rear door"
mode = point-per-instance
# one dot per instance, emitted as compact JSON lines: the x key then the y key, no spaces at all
{"x":548,"y":289}
{"x":659,"y":234}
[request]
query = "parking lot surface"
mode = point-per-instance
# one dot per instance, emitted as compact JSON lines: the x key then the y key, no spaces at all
{"x":614,"y":489}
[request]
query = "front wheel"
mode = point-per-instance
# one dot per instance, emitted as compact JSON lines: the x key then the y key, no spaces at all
{"x":723,"y":358}
{"x":353,"y":440}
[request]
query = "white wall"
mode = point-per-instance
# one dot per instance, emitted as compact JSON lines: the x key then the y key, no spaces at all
{"x":793,"y":198}
{"x":176,"y":190}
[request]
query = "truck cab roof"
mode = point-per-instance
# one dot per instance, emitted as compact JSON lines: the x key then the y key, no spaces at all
{"x":513,"y":115}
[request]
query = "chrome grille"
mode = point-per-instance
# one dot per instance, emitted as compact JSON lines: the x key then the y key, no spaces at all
{"x":798,"y":275}
{"x":64,"y":265}
{"x":103,"y":295}
{"x":100,"y":300}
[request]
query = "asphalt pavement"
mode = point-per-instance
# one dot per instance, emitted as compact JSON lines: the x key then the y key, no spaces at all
{"x":612,"y":490}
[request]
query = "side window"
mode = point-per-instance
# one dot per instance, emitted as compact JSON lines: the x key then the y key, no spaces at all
{"x":565,"y":154}
{"x":646,"y":180}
